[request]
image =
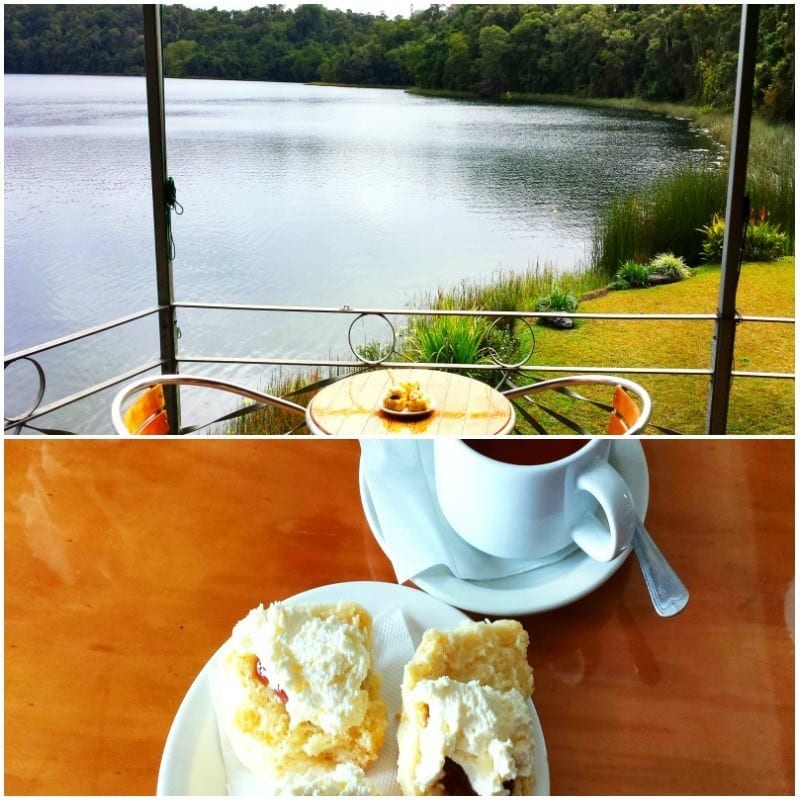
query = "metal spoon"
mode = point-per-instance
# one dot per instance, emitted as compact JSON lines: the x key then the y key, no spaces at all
{"x":667,"y":591}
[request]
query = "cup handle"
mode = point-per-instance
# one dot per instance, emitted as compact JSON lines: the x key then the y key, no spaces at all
{"x":603,"y":543}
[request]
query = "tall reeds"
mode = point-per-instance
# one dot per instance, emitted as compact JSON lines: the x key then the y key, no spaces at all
{"x":666,"y":218}
{"x":668,"y":215}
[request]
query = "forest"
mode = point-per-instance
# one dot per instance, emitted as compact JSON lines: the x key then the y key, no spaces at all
{"x":672,"y":53}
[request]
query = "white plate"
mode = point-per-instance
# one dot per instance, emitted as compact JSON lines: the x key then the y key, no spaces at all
{"x":542,"y":589}
{"x":192,"y":761}
{"x":409,"y":414}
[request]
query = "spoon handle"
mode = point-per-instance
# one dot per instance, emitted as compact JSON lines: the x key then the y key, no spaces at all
{"x":667,"y":591}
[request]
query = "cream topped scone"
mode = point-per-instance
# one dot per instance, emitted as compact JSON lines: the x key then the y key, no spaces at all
{"x":299,"y":693}
{"x":466,"y":725}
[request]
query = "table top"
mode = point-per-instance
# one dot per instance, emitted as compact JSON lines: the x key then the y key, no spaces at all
{"x":128,"y":561}
{"x":462,"y":406}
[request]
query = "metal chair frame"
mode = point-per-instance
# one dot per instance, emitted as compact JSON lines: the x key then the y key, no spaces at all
{"x":568,"y":385}
{"x":137,"y":386}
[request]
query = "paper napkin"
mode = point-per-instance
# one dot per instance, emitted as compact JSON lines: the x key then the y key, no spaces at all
{"x":414,"y":533}
{"x":393,"y":649}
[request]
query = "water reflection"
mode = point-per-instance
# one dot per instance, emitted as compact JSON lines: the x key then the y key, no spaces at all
{"x":567,"y":642}
{"x":296,"y":195}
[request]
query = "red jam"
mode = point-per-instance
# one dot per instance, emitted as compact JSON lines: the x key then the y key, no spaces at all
{"x":261,"y":675}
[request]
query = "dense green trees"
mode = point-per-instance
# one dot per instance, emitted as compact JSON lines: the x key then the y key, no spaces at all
{"x":658,"y":52}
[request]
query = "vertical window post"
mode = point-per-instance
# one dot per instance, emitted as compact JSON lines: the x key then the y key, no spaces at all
{"x":167,"y":321}
{"x":725,"y":330}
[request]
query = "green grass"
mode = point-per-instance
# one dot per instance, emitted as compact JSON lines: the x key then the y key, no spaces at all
{"x":506,"y":290}
{"x":273,"y":420}
{"x":757,"y":406}
{"x":765,"y":289}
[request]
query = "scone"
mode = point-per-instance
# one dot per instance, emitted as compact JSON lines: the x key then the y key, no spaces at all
{"x":417,"y":401}
{"x":300,"y":691}
{"x":395,"y":399}
{"x":466,"y":725}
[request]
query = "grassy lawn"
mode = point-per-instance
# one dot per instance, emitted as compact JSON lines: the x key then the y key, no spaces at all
{"x":757,"y":406}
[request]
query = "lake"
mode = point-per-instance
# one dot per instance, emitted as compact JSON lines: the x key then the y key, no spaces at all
{"x":292,"y":195}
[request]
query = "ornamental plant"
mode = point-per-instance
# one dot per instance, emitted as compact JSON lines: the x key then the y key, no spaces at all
{"x":763,"y":240}
{"x":670,"y":266}
{"x":631,"y":275}
{"x":714,"y":234}
{"x":557,"y":300}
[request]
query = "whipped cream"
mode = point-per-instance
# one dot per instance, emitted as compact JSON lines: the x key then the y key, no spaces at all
{"x":320,"y":663}
{"x":487,"y":732}
{"x":344,"y":779}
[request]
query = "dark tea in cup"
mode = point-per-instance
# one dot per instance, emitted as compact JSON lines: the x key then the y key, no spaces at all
{"x":526,"y":452}
{"x":530,"y":497}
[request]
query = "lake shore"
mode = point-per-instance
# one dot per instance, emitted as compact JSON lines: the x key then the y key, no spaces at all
{"x":716,"y":123}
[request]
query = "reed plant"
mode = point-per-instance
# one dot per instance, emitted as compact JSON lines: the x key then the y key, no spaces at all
{"x":506,"y":290}
{"x":670,"y":214}
{"x":771,"y":176}
{"x":477,"y":339}
{"x":298,"y":385}
{"x":446,"y":340}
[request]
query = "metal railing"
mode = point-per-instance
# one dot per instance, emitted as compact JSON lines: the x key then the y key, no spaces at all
{"x":524,"y":367}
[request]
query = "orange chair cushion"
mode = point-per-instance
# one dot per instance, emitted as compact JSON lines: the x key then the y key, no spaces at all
{"x":625,"y":412}
{"x":147,"y":414}
{"x":156,"y":426}
{"x":616,"y":427}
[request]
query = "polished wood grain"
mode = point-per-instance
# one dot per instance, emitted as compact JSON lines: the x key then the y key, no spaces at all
{"x":462,"y":406}
{"x":127,"y":563}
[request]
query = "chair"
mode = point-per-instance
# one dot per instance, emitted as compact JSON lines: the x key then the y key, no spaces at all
{"x":573,"y":410}
{"x":147,"y":414}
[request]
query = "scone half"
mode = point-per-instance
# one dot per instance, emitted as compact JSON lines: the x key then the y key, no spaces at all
{"x":300,"y":689}
{"x":466,"y":724}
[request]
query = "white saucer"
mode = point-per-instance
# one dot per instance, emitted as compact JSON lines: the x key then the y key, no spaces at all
{"x":542,"y":589}
{"x":192,"y":763}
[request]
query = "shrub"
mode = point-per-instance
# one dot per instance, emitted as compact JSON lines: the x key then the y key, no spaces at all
{"x":557,"y":300}
{"x":714,"y":234}
{"x":631,"y":275}
{"x":374,"y":351}
{"x":447,"y":340}
{"x":670,"y":266}
{"x":763,"y":240}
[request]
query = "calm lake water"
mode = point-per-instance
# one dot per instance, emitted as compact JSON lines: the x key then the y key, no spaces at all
{"x":292,"y":195}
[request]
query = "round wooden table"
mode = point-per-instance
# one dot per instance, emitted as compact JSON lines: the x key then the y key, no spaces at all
{"x":463,"y":406}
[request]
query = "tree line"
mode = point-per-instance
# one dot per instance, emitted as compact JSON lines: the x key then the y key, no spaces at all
{"x":657,"y":52}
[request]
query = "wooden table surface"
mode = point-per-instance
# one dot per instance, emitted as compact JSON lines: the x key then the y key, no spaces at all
{"x":462,"y":406}
{"x":128,"y":562}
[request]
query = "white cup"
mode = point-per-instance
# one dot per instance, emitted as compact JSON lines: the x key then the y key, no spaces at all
{"x":529,"y":511}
